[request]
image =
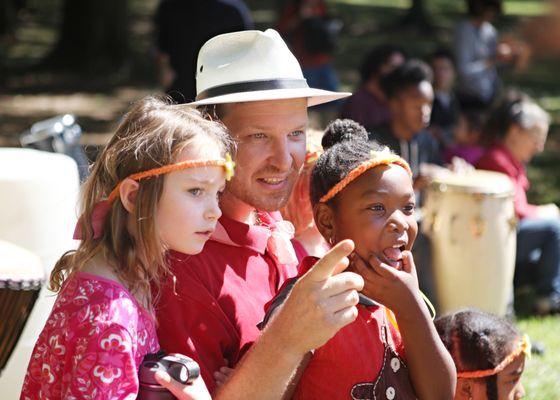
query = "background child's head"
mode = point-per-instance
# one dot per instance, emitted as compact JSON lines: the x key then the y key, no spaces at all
{"x":469,"y":126}
{"x":443,"y":66}
{"x":485,"y":10}
{"x":410,"y":94}
{"x":479,"y":341}
{"x":380,"y":61}
{"x":376,"y":209}
{"x":298,"y":210}
{"x":519,"y":124}
{"x":154,"y":214}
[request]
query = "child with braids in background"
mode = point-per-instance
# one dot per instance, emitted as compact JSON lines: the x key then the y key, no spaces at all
{"x":362,"y":191}
{"x":489,"y":354}
{"x":153,"y":191}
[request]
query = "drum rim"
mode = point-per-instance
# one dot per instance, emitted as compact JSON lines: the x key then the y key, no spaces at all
{"x":21,"y":285}
{"x":474,"y":190}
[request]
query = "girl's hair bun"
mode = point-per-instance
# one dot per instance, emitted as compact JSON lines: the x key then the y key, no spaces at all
{"x":343,"y":130}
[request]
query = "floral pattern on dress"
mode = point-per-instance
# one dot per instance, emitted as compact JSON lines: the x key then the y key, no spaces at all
{"x":92,"y":344}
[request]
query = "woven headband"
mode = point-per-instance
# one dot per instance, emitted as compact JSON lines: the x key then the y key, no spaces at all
{"x":524,"y":346}
{"x":101,"y":208}
{"x":384,"y":157}
{"x":227,"y":163}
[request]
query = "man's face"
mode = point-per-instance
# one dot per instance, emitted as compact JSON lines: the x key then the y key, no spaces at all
{"x":413,"y":107}
{"x":271,"y":150}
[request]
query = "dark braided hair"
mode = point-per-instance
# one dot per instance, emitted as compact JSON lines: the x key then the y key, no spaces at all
{"x":346,"y":146}
{"x":477,"y":341}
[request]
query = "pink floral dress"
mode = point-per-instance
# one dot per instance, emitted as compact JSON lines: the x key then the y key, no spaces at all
{"x":92,"y":344}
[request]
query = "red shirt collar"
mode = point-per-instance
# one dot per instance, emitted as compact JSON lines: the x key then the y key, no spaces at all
{"x":244,"y":235}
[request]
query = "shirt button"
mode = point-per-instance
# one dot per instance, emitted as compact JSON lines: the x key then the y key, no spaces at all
{"x":395,"y":364}
{"x":390,"y":393}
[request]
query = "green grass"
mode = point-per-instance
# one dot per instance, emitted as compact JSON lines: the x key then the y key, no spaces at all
{"x":542,"y":373}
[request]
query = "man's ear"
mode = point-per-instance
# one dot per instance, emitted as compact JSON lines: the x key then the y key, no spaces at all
{"x":128,"y":190}
{"x":324,"y":220}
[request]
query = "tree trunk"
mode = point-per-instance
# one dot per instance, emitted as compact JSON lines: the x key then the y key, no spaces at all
{"x":93,"y":35}
{"x":7,"y":17}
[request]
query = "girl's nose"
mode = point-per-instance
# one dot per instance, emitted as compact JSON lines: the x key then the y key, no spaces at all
{"x":397,"y":222}
{"x":213,"y":212}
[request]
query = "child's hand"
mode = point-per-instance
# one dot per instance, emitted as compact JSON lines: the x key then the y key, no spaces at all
{"x":222,"y":375}
{"x":196,"y":391}
{"x":397,"y":290}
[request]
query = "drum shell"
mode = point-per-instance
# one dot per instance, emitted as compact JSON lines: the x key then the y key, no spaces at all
{"x":473,"y":236}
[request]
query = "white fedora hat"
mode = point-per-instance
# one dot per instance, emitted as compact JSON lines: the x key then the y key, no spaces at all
{"x":252,"y":66}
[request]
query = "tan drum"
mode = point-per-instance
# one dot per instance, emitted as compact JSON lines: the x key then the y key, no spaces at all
{"x":471,"y":222}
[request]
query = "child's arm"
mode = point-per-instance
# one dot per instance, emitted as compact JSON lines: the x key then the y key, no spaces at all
{"x":432,"y":370}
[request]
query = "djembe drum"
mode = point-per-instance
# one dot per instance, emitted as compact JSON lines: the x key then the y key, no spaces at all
{"x":471,"y":221}
{"x":21,"y":278}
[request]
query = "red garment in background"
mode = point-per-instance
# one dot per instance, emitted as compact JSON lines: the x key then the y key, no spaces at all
{"x":499,"y":159}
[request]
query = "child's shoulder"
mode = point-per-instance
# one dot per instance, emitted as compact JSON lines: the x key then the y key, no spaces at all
{"x":90,"y":299}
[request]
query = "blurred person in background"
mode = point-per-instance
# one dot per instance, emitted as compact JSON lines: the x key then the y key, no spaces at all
{"x":182,"y":27}
{"x":516,"y":131}
{"x":369,"y":106}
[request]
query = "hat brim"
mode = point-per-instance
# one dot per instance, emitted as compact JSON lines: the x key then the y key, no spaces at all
{"x":314,"y":96}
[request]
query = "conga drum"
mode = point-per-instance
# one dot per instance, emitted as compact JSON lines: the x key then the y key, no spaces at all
{"x":21,"y":278}
{"x":471,"y":222}
{"x":38,"y":212}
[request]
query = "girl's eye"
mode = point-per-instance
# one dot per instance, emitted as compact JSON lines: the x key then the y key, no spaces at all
{"x":195,"y":192}
{"x":377,"y":207}
{"x":409,"y":208}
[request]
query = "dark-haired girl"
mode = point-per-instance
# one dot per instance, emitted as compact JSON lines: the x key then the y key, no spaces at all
{"x":517,"y":131}
{"x":489,"y":354}
{"x":363,"y":192}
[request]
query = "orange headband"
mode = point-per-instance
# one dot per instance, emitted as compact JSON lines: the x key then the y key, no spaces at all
{"x":101,"y":208}
{"x":384,"y":157}
{"x":227,"y":163}
{"x":524,"y":346}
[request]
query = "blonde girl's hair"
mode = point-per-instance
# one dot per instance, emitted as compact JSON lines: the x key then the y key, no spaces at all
{"x":150,"y":135}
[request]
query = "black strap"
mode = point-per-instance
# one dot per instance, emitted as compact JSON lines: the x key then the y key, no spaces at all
{"x":252,"y":86}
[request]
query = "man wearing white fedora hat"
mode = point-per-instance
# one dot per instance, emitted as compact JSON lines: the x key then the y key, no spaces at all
{"x":211,"y":306}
